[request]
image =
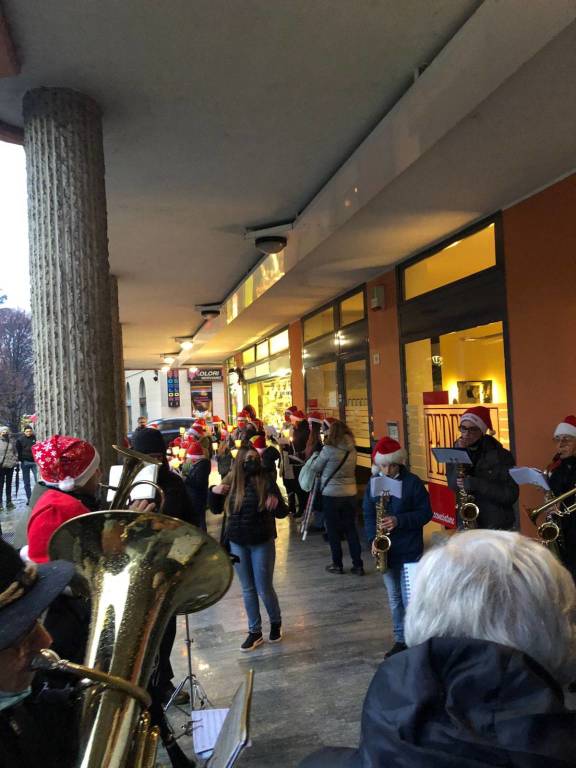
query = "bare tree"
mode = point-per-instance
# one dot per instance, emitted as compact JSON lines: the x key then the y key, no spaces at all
{"x":16,"y":369}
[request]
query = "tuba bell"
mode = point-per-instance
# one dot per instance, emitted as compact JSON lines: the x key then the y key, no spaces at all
{"x":138,"y":570}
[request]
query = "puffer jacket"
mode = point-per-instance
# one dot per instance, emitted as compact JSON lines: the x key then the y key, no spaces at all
{"x":335,"y":480}
{"x":8,"y":454}
{"x":459,"y":703}
{"x":490,"y":483}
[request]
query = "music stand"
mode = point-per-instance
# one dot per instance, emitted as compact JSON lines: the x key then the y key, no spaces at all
{"x":198,"y":696}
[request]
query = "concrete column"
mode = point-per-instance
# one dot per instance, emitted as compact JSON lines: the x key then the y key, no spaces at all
{"x":118,"y":352}
{"x":69,"y":271}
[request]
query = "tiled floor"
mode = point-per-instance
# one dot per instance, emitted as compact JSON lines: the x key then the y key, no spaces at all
{"x":308,"y":689}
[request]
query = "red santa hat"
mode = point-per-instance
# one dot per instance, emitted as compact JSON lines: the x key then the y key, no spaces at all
{"x":65,"y":462}
{"x":327,"y":422}
{"x":566,"y":427}
{"x":217,"y":420}
{"x":289,"y":411}
{"x":259,"y":443}
{"x":201,"y":422}
{"x":297,"y":416}
{"x":315,"y":418}
{"x":194,"y":451}
{"x":387,"y":451}
{"x":197,"y":430}
{"x":479,"y":416}
{"x":242,"y":418}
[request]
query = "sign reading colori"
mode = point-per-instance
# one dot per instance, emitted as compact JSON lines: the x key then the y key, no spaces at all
{"x":203,"y":373}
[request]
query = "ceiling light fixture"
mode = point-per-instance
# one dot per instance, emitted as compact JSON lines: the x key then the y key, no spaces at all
{"x":168,"y":359}
{"x":208,"y":311}
{"x":165,"y":368}
{"x":186,"y":345}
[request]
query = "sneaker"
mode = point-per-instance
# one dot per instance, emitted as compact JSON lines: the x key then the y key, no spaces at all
{"x":396,"y":648}
{"x":253,"y":640}
{"x":1,"y":508}
{"x":332,"y":568}
{"x":358,"y":570}
{"x":275,"y":632}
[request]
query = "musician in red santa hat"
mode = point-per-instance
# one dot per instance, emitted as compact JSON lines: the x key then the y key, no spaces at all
{"x":562,"y":478}
{"x":487,"y":479}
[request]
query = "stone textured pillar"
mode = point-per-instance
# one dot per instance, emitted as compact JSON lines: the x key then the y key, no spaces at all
{"x":118,"y":351}
{"x":69,"y":270}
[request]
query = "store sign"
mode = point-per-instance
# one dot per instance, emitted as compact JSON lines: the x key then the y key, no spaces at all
{"x":173,"y":383}
{"x":442,"y":426}
{"x":205,"y":374}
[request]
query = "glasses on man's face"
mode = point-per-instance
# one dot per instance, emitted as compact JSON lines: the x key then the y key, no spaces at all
{"x":564,"y":439}
{"x":470,"y":430}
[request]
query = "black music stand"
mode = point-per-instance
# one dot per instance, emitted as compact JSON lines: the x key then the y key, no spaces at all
{"x":198,"y":696}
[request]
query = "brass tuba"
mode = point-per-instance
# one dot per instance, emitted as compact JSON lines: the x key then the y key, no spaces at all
{"x":382,"y":542}
{"x":466,"y":507}
{"x":139,"y":570}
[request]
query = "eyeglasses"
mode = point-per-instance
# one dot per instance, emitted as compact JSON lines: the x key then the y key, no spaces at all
{"x":565,"y":439}
{"x":469,"y":429}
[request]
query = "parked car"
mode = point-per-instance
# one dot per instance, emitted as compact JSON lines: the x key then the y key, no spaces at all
{"x":170,"y":428}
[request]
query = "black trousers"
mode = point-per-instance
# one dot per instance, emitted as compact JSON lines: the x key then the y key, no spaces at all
{"x":6,"y":480}
{"x":340,"y":516}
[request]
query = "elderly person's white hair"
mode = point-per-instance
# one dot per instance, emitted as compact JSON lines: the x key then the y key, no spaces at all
{"x":498,"y":586}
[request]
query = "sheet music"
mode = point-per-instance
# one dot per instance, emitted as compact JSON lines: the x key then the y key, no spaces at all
{"x":382,"y":483}
{"x":529,"y":476}
{"x":451,"y":456}
{"x":149,"y":472}
{"x":206,"y":727}
{"x":408,"y":576}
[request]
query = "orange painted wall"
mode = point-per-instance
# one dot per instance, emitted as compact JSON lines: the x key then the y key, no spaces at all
{"x":540,"y":259}
{"x":296,"y":345}
{"x":385,"y":375}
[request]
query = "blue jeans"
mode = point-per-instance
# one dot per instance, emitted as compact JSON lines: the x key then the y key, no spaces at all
{"x":340,"y":515}
{"x":256,"y":572}
{"x":397,"y":599}
{"x":27,"y":467}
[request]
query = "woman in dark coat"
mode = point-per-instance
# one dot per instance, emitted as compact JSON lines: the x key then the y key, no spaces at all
{"x":252,"y":502}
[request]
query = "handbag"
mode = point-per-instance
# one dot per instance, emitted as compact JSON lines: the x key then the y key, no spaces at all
{"x":307,"y":474}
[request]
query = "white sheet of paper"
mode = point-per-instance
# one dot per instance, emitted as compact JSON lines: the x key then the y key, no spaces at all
{"x":149,"y":472}
{"x":529,"y":476}
{"x":206,"y":727}
{"x":382,"y":483}
{"x":451,"y":456}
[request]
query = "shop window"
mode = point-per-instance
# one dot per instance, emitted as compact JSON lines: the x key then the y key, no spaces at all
{"x":142,"y":398}
{"x":319,"y":324}
{"x":280,"y":366}
{"x":250,"y":373}
{"x":356,"y":403}
{"x":352,"y":309}
{"x":460,"y":259}
{"x":279,"y":343}
{"x":445,"y":375}
{"x":322,"y":389}
{"x":262,"y":350}
{"x":263,"y":369}
{"x":249,"y":356}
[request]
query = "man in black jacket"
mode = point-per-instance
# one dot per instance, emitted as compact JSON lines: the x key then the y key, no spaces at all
{"x":488,"y":479}
{"x":562,"y":478}
{"x":24,"y":449}
{"x":33,"y":731}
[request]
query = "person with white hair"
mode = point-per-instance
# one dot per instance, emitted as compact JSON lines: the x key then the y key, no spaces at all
{"x":491,"y":641}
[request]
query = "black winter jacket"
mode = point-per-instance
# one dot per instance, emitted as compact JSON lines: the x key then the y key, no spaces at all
{"x":176,"y":502}
{"x":24,"y":448}
{"x":39,"y":733}
{"x":251,"y":524}
{"x":458,"y":703}
{"x":196,"y":482}
{"x":561,"y":479}
{"x":490,"y":483}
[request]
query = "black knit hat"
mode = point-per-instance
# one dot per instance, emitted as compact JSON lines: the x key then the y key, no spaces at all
{"x":148,"y":440}
{"x":26,"y":590}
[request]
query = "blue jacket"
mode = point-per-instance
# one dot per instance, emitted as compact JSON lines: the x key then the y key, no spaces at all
{"x":412,"y":511}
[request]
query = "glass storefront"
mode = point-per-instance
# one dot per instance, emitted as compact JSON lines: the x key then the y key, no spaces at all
{"x":452,"y":329}
{"x":336,"y":366}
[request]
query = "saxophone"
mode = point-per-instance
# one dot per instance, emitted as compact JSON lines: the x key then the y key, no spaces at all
{"x":549,"y":532}
{"x":382,"y":541}
{"x":466,"y":507}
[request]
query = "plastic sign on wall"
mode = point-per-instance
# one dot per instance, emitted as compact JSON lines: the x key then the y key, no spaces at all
{"x":173,"y":383}
{"x":205,"y":373}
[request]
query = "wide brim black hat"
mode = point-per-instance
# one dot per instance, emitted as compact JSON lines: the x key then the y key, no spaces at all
{"x":17,"y":617}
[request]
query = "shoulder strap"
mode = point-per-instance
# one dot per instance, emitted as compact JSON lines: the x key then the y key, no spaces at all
{"x":335,"y":471}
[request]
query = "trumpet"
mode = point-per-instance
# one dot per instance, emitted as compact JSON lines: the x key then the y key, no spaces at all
{"x":466,"y":507}
{"x":382,"y":542}
{"x":549,"y":531}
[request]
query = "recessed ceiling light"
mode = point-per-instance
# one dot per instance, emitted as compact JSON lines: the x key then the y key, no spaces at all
{"x":186,"y":345}
{"x":169,"y":359}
